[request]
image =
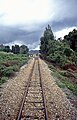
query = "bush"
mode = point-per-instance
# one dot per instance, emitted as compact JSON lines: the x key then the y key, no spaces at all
{"x":10,"y":63}
{"x":65,"y":73}
{"x":8,"y":71}
{"x":2,"y":67}
{"x":15,"y":68}
{"x":3,"y":80}
{"x":68,"y":51}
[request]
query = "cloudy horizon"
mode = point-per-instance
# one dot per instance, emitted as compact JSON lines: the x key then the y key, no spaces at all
{"x":23,"y":21}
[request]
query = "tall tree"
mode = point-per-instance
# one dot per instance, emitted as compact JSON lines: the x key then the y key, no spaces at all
{"x":45,"y":40}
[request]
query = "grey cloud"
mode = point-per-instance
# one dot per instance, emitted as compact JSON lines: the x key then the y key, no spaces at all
{"x":64,"y":9}
{"x":65,"y":15}
{"x":10,"y":34}
{"x":63,"y":24}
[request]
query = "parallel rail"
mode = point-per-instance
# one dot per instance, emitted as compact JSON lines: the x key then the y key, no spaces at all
{"x":44,"y":101}
{"x":33,"y":105}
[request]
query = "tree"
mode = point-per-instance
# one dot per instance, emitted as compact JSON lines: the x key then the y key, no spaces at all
{"x":13,"y":49}
{"x":24,"y":49}
{"x":71,"y":39}
{"x":16,"y":49}
{"x":58,"y":51}
{"x":7,"y":49}
{"x":45,"y":41}
{"x":48,"y":34}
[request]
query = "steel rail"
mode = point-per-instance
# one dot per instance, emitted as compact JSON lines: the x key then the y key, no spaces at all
{"x":44,"y":100}
{"x":25,"y":93}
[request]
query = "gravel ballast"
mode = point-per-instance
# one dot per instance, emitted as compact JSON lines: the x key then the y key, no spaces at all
{"x":11,"y":94}
{"x":58,"y":106}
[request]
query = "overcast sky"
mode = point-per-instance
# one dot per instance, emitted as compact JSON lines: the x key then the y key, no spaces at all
{"x":23,"y":21}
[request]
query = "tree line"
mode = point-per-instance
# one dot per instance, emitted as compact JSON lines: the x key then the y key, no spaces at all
{"x":16,"y":49}
{"x":59,"y":51}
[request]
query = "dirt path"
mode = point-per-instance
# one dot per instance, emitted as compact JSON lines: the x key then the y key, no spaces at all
{"x":11,"y":93}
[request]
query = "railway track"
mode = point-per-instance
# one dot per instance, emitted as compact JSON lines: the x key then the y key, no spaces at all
{"x":33,"y":105}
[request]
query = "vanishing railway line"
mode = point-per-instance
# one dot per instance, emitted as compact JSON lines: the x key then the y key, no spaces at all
{"x":33,"y":105}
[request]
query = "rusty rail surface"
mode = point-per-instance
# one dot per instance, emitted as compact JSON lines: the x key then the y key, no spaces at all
{"x":31,"y":91}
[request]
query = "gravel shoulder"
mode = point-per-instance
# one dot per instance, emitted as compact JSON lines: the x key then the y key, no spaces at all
{"x":11,"y":93}
{"x":58,"y":106}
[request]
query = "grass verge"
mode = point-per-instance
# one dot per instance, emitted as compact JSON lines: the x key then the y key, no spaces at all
{"x":9,"y":64}
{"x":63,"y":79}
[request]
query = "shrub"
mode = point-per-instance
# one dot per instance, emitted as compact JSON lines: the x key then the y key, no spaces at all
{"x":68,"y":51}
{"x":10,"y":63}
{"x":8,"y":71}
{"x":3,"y":80}
{"x":15,"y":68}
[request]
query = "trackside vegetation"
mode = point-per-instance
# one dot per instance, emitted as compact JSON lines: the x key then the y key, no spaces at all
{"x":65,"y":78}
{"x":60,"y":51}
{"x":10,"y":63}
{"x":61,"y":54}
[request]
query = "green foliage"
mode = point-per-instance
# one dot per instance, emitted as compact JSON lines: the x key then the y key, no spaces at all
{"x":3,"y":80}
{"x":15,"y":49}
{"x":7,"y":49}
{"x":10,"y":63}
{"x":64,"y":73}
{"x":57,"y":51}
{"x":71,"y":39}
{"x":63,"y":79}
{"x":4,"y":48}
{"x":8,"y":71}
{"x":69,"y":85}
{"x":68,"y":51}
{"x":15,"y":68}
{"x":61,"y":54}
{"x":24,"y":49}
{"x":48,"y":36}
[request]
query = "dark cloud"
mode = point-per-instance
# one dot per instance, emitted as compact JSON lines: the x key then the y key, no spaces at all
{"x":63,"y":24}
{"x":65,"y":15}
{"x":10,"y":34}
